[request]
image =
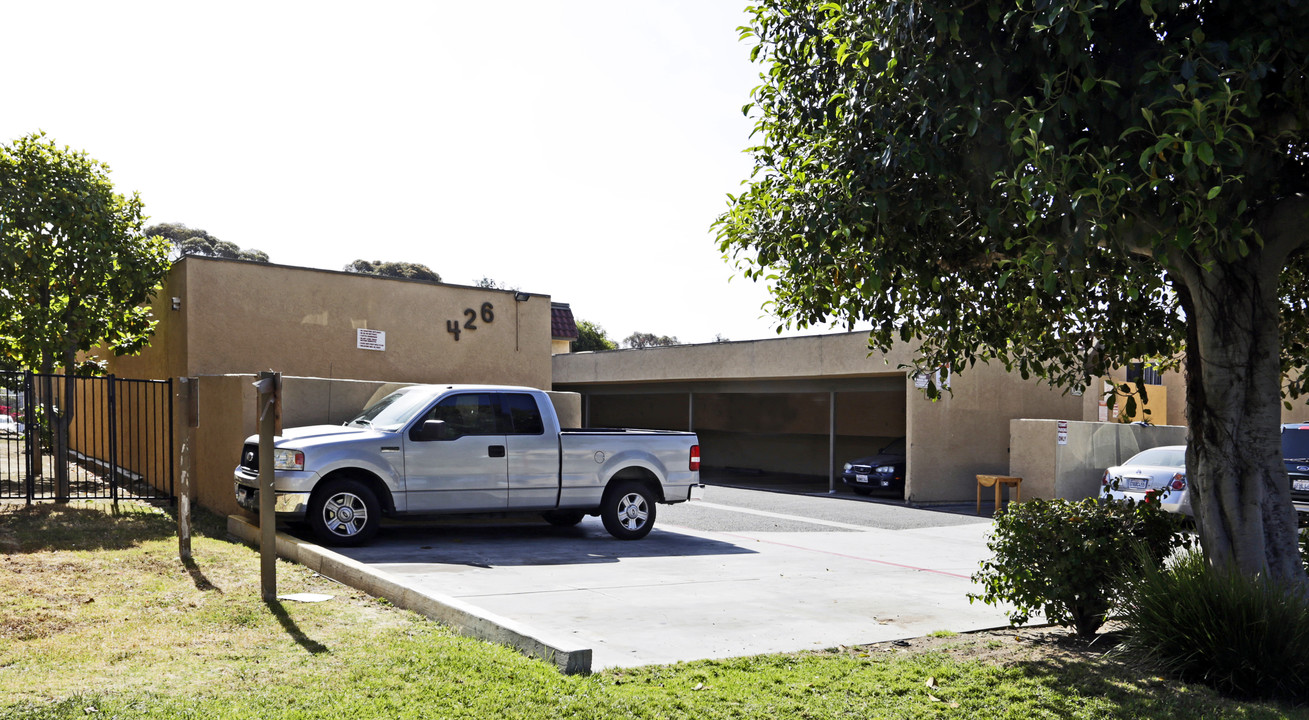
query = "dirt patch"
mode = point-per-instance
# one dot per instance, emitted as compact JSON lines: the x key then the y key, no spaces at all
{"x":1007,"y":646}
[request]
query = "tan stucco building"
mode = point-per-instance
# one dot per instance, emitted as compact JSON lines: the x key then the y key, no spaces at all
{"x":230,"y":316}
{"x":791,"y":405}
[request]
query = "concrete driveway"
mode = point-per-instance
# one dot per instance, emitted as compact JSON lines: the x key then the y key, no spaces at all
{"x":741,"y":573}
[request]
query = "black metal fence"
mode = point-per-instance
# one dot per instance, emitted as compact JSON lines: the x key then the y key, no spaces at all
{"x":119,"y":440}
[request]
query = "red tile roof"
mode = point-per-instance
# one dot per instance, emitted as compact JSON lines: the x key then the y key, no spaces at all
{"x":562,"y":326}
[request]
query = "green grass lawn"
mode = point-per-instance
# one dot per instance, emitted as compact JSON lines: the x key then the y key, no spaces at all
{"x":99,"y":619}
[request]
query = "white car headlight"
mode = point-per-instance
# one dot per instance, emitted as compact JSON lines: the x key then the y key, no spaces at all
{"x":288,"y":459}
{"x":847,"y":467}
{"x":885,"y":469}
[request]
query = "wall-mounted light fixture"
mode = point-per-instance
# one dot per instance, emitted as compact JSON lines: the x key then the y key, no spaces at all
{"x":177,"y":303}
{"x":520,"y":296}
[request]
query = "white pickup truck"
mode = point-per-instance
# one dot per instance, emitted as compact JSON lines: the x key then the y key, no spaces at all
{"x":469,"y":449}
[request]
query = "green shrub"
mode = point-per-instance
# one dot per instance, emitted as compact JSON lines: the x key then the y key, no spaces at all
{"x":1067,"y":559}
{"x":1245,"y":637}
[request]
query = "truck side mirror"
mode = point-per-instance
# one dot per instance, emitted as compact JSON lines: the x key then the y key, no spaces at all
{"x":433,"y":430}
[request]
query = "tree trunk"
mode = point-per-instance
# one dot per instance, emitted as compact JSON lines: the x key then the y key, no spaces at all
{"x":1238,"y":483}
{"x":62,"y":425}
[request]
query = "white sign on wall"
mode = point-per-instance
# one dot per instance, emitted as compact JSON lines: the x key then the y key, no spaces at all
{"x":1063,"y":432}
{"x":366,"y":339}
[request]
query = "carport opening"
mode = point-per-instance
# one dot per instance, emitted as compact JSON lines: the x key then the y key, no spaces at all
{"x":769,"y":440}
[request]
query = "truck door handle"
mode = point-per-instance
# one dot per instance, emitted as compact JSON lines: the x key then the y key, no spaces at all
{"x":496,"y":450}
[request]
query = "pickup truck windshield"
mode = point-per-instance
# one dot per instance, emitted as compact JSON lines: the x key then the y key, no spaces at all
{"x":1295,"y":444}
{"x":393,"y":411}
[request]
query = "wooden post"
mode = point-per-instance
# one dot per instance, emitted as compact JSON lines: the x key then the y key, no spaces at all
{"x":269,"y":386}
{"x":188,"y":391}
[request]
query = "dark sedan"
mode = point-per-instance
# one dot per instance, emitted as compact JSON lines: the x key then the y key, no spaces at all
{"x":881,"y":472}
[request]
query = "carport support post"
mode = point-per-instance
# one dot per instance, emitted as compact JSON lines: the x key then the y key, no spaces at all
{"x":269,"y":383}
{"x":831,"y":443}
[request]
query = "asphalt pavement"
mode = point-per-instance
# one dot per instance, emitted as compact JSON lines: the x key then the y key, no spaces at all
{"x":742,"y":572}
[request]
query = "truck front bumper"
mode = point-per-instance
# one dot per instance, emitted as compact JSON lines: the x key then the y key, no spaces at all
{"x":289,"y":503}
{"x":284,"y":503}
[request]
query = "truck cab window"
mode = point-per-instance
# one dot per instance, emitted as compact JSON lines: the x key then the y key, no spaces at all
{"x":470,"y":414}
{"x":519,"y":415}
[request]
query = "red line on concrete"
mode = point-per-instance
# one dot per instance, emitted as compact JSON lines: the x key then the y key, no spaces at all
{"x":848,"y":557}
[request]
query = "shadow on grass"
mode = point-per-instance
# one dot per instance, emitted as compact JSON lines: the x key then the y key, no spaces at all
{"x":198,"y":577}
{"x":81,"y":525}
{"x":97,"y":525}
{"x":1135,"y":688}
{"x":279,"y":612}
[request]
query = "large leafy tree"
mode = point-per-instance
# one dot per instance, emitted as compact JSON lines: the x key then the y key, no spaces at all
{"x":76,"y":270}
{"x":1063,"y":186}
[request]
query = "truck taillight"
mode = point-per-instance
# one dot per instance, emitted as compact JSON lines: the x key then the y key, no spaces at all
{"x":695,"y":458}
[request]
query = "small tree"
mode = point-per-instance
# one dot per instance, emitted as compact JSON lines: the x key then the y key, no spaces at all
{"x":490,"y":283}
{"x":592,"y":337}
{"x":643,"y":340}
{"x":76,"y":270}
{"x":405,"y":270}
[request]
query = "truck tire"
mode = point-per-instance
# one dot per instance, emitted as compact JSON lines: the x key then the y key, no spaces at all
{"x":563,"y":518}
{"x":628,"y":510}
{"x":344,"y":512}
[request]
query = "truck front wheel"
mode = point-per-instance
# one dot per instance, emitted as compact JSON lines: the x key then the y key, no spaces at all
{"x":628,"y":511}
{"x":344,"y":512}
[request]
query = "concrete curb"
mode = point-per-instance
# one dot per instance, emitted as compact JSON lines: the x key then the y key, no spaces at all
{"x":567,"y":656}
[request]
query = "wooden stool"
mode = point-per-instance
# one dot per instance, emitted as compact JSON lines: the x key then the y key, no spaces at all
{"x":998,"y":481}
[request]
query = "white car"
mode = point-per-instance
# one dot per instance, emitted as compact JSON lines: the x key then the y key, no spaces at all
{"x":9,"y":426}
{"x":1159,"y":471}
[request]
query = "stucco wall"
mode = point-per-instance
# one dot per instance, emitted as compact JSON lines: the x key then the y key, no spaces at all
{"x":1073,"y":470}
{"x":840,"y":355}
{"x":242,"y":317}
{"x":966,"y":432}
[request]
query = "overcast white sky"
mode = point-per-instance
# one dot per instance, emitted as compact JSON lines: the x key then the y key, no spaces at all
{"x":576,"y":148}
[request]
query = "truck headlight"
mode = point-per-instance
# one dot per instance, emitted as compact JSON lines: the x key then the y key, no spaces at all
{"x":288,"y":459}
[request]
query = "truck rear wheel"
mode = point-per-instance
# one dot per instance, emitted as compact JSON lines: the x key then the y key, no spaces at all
{"x":628,"y":511}
{"x":344,"y":512}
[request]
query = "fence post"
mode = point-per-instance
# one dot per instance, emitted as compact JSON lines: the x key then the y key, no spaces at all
{"x":31,"y":433}
{"x":171,"y":456}
{"x":111,"y":412}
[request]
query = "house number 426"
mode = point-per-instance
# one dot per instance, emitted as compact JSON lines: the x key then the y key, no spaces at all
{"x":470,"y":323}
